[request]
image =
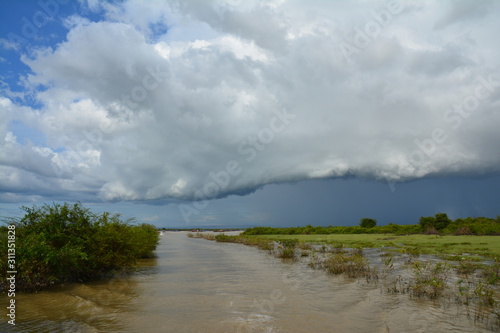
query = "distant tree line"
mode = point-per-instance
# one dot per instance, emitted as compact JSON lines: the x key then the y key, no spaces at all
{"x":62,"y":243}
{"x":437,"y":224}
{"x":441,"y":224}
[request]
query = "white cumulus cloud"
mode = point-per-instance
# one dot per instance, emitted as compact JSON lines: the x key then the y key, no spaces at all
{"x":231,"y":97}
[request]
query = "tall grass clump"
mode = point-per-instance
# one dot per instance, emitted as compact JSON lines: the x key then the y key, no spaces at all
{"x":479,"y":292}
{"x":491,"y":273}
{"x":263,"y":244}
{"x":62,"y":243}
{"x":286,"y":248}
{"x":430,"y":279}
{"x":349,"y":263}
{"x":223,"y":238}
{"x":208,"y":236}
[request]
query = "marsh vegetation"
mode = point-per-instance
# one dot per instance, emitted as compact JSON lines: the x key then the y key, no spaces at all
{"x":443,"y":268}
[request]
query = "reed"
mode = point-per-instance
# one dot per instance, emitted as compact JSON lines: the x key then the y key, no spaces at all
{"x":430,"y":279}
{"x":286,"y":248}
{"x":349,"y":263}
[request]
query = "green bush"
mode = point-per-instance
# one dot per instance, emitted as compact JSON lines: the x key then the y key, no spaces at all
{"x":63,"y":243}
{"x":367,"y":223}
{"x":439,"y":222}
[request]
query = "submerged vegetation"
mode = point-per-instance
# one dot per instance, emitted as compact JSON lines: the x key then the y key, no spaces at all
{"x":343,"y":262}
{"x":62,"y":243}
{"x":438,"y":259}
{"x":286,"y":248}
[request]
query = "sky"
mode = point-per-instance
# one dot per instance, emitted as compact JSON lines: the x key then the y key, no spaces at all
{"x":242,"y":113}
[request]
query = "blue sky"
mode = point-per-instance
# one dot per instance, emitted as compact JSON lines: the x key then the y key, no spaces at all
{"x":241,"y":113}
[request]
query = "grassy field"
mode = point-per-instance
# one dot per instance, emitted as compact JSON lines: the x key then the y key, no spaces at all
{"x":488,"y":246}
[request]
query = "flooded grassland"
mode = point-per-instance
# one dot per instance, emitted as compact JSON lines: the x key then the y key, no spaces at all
{"x":195,"y":285}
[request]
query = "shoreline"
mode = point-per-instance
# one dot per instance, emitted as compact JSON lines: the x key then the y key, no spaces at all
{"x":418,"y":269}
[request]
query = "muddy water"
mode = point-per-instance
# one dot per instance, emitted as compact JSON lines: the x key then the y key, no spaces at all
{"x":197,"y":285}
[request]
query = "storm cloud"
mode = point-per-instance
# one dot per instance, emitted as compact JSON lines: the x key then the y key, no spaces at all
{"x":205,"y":99}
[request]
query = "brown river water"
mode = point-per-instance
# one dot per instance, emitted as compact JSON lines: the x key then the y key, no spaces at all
{"x":197,"y":285}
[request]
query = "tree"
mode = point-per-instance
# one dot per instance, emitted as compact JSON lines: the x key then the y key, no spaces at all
{"x":367,"y":222}
{"x":441,"y":221}
{"x":438,"y":222}
{"x":426,"y":222}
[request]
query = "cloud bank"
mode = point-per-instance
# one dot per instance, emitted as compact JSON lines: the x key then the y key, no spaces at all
{"x":203,"y":99}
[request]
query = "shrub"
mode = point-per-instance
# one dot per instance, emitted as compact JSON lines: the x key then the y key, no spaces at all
{"x":63,"y":243}
{"x":367,"y":223}
{"x":463,"y":230}
{"x":426,"y":222}
{"x":431,"y":231}
{"x":439,"y":222}
{"x":145,"y":239}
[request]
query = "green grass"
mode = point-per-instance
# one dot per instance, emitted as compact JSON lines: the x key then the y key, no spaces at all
{"x":488,"y":246}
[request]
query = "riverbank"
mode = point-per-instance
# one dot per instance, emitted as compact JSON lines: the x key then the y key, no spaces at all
{"x":463,"y":271}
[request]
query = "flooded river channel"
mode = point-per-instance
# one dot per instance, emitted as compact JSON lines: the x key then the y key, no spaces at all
{"x":197,"y":285}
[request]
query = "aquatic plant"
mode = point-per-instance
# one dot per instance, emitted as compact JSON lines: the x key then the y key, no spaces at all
{"x":470,"y":283}
{"x":388,"y":259}
{"x":226,"y":238}
{"x":466,"y":268}
{"x":349,"y":263}
{"x":286,"y":248}
{"x":491,"y":273}
{"x":208,"y":236}
{"x":430,"y":279}
{"x":305,"y":246}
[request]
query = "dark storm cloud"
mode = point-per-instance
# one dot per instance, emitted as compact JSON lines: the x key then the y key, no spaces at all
{"x":231,"y":98}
